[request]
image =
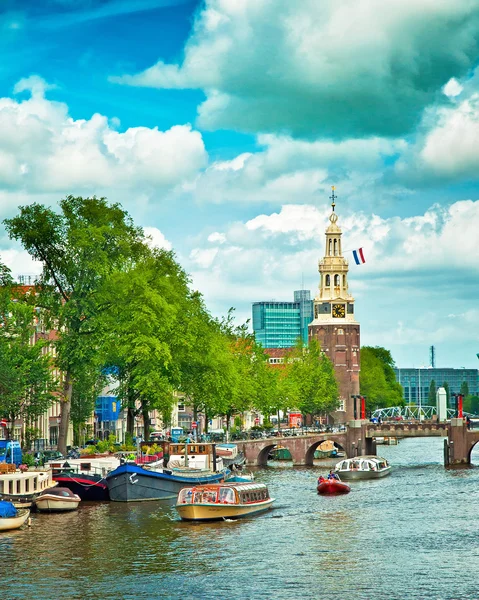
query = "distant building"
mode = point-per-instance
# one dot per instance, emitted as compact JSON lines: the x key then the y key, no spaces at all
{"x":416,"y":382}
{"x":280,"y":324}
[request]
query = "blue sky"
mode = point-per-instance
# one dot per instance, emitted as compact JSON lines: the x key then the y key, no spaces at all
{"x":221,"y":125}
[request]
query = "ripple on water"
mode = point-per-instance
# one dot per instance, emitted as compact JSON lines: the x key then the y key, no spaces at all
{"x":410,"y":535}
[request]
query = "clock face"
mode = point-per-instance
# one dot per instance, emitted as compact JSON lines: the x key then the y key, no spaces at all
{"x":339,"y":311}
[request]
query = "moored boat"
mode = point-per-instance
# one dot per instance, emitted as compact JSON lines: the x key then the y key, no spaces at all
{"x":223,"y":501}
{"x":332,"y":487}
{"x":11,"y":517}
{"x":189,"y":464}
{"x":363,"y":467}
{"x":230,"y":455}
{"x":57,"y":499}
{"x":85,"y":477}
{"x":22,"y":487}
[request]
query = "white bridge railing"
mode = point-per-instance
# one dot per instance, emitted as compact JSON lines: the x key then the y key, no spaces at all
{"x":413,"y":412}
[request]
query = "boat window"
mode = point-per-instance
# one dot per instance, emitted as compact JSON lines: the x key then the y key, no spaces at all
{"x":185,"y":496}
{"x":85,"y":466}
{"x":344,"y":465}
{"x":18,"y":486}
{"x":226,"y":496}
{"x":209,"y":496}
{"x":197,"y":498}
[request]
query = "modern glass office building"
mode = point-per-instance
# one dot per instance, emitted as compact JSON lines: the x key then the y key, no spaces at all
{"x":280,"y":324}
{"x":416,"y":382}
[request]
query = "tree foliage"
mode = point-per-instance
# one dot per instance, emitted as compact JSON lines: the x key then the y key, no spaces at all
{"x":78,"y":248}
{"x":378,"y":381}
{"x":27,"y":384}
{"x":432,"y":393}
{"x":310,"y":380}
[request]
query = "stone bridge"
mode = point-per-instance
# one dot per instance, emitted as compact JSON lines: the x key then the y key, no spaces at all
{"x":359,"y":438}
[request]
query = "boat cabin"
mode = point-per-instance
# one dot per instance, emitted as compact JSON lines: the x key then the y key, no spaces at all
{"x":362,"y":463}
{"x":244,"y":493}
{"x":194,"y":456}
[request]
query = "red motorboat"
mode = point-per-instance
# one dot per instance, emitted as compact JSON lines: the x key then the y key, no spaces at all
{"x":332,"y":487}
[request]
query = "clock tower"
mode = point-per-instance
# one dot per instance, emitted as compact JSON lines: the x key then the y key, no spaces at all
{"x":334,"y":324}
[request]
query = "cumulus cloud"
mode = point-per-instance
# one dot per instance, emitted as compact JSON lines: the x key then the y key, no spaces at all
{"x":418,"y":270}
{"x":333,"y":68}
{"x":448,"y":148}
{"x":286,"y":171}
{"x":43,"y":149}
{"x":156,"y":239}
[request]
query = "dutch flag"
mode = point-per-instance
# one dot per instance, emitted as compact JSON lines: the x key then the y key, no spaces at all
{"x":359,"y":256}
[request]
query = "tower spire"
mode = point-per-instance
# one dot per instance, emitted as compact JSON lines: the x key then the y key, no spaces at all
{"x":333,"y":197}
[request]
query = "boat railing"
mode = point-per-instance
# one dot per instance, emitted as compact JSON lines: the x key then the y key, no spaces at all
{"x":80,"y":469}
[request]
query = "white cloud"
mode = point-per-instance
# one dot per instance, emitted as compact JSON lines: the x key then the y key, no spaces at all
{"x":449,"y":147}
{"x":156,"y":238}
{"x":217,"y":237}
{"x":452,"y":88}
{"x":329,"y":68}
{"x":43,"y":149}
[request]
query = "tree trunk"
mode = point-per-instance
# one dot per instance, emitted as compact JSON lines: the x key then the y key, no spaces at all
{"x":146,"y":422}
{"x":65,"y":408}
{"x":130,"y":421}
{"x":130,"y":415}
{"x":206,"y":421}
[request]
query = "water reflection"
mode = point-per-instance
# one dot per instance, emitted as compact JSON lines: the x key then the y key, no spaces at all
{"x":405,"y":536}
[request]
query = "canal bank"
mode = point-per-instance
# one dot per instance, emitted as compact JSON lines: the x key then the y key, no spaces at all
{"x":411,"y":535}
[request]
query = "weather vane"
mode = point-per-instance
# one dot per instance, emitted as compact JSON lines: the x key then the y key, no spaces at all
{"x":333,"y":197}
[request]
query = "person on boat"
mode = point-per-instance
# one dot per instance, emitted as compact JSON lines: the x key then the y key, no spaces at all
{"x":321,"y":479}
{"x":333,"y":475}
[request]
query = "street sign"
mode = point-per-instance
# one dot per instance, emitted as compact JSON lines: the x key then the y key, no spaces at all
{"x":194,"y":425}
{"x":256,"y":420}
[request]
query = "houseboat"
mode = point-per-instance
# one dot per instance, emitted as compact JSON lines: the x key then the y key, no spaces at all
{"x":188,"y":465}
{"x":22,"y":487}
{"x":223,"y":501}
{"x":363,"y":467}
{"x":85,"y":477}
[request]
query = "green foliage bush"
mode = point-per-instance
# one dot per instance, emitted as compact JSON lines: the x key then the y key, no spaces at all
{"x":28,"y":460}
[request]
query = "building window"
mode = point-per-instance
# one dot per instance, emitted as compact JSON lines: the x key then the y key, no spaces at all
{"x":336,"y":280}
{"x":341,"y":404}
{"x":328,"y":281}
{"x":181,"y":408}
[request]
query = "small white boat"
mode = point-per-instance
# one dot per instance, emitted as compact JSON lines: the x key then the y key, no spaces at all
{"x":363,"y":467}
{"x":11,"y":517}
{"x":223,"y":501}
{"x":57,"y":499}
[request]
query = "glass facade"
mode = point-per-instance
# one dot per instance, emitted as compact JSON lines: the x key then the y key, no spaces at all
{"x":416,"y":382}
{"x":280,"y":324}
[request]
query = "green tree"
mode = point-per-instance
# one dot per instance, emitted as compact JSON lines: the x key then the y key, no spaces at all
{"x":432,"y":393}
{"x":145,"y":313}
{"x":378,"y":381}
{"x":312,"y":385}
{"x":27,"y":384}
{"x":79,"y":248}
{"x":464,"y":389}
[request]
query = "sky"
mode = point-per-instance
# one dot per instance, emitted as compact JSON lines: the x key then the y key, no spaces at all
{"x":221,"y":125}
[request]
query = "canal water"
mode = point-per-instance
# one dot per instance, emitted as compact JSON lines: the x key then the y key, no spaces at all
{"x":414,"y":534}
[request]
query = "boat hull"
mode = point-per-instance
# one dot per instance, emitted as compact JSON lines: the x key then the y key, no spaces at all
{"x":360,"y":475}
{"x":333,"y":488}
{"x":9,"y":523}
{"x":51,"y":503}
{"x":132,"y":483}
{"x":218,"y":512}
{"x":91,"y":488}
